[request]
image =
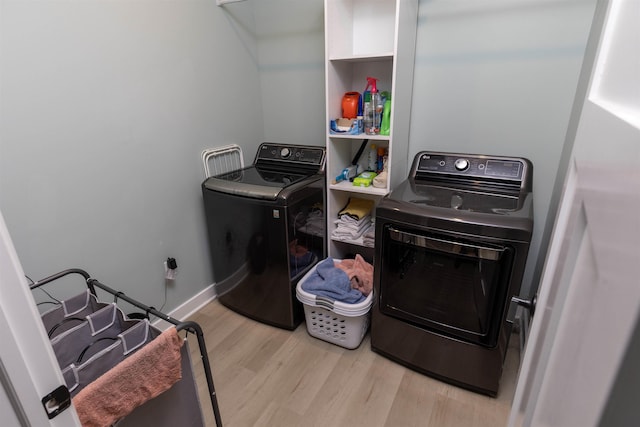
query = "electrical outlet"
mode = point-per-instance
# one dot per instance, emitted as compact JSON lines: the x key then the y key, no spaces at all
{"x":169,"y":273}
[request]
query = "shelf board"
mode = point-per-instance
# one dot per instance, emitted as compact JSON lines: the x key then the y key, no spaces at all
{"x":358,"y":242}
{"x":384,"y":56}
{"x":348,"y":186}
{"x":359,"y":136}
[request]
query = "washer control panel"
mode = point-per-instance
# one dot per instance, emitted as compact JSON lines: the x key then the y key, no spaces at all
{"x":285,"y":152}
{"x":469,"y":165}
{"x":308,"y":155}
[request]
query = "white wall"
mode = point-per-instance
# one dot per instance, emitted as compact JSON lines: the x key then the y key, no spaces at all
{"x":104,"y":111}
{"x":290,"y":35}
{"x":499,"y":77}
{"x":491,"y":77}
{"x":106,"y":106}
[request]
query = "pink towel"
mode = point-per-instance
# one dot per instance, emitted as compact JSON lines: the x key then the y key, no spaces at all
{"x":142,"y":376}
{"x":360,"y":273}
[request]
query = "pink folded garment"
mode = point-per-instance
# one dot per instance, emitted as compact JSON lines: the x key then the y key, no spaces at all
{"x":142,"y":376}
{"x":360,"y":273}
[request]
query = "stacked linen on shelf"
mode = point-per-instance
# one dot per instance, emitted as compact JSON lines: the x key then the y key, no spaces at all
{"x":353,"y":220}
{"x":348,"y":229}
{"x":369,"y":236}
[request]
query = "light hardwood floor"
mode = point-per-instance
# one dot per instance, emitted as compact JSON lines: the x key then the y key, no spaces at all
{"x":265,"y":376}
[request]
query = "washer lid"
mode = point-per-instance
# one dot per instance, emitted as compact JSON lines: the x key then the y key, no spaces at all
{"x":254,"y":182}
{"x":471,"y":211}
{"x":466,"y":199}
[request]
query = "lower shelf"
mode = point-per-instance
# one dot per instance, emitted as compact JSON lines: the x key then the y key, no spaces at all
{"x":358,"y":242}
{"x":348,"y":186}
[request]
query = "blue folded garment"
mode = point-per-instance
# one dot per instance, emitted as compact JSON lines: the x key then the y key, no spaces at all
{"x":331,"y":282}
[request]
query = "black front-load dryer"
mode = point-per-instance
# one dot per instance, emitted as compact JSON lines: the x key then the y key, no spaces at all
{"x":451,"y":246}
{"x":266,"y":228}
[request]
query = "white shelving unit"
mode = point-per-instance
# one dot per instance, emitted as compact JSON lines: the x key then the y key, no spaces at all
{"x":367,"y":38}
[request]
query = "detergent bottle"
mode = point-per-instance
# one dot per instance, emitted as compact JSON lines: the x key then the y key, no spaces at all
{"x":385,"y":125}
{"x":372,"y":108}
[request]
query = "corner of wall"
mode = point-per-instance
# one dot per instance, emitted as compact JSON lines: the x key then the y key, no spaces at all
{"x":190,"y":306}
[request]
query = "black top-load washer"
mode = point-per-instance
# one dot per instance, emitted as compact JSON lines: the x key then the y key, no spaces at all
{"x":266,"y":228}
{"x":451,"y":247}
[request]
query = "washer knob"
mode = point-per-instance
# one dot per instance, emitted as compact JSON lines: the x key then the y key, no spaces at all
{"x":285,"y":152}
{"x":461,"y":164}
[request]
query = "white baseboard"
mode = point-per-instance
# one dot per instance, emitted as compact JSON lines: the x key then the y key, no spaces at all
{"x":190,"y":306}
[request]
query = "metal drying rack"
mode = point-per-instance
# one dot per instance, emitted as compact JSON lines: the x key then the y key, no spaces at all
{"x":188,"y":326}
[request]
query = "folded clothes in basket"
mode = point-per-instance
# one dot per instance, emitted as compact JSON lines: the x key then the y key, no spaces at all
{"x":331,"y":282}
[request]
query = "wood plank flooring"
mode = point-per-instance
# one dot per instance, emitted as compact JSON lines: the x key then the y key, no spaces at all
{"x":265,"y":376}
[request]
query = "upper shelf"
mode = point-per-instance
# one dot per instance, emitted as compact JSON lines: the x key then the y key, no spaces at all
{"x":360,"y":28}
{"x":387,"y":56}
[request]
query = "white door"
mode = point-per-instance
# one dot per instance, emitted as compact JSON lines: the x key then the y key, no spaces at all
{"x":589,"y":295}
{"x":28,"y":368}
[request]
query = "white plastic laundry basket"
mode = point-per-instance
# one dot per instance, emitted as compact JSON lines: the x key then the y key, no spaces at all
{"x":333,"y":321}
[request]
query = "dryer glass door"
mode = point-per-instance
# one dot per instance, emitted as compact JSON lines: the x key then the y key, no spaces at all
{"x":457,"y":287}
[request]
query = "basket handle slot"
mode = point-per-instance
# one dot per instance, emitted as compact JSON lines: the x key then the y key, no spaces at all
{"x":324,"y":302}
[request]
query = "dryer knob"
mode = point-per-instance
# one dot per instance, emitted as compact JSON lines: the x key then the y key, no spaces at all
{"x":285,"y":152}
{"x":461,"y":164}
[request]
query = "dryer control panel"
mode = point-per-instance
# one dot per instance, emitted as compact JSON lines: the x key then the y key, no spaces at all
{"x":473,"y":166}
